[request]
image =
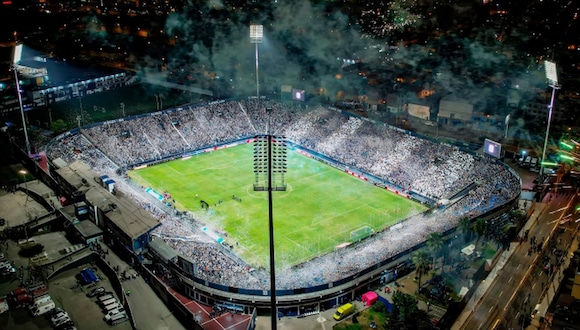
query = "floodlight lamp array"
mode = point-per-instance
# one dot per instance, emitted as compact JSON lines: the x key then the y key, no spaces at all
{"x":256,"y":33}
{"x":551,"y":72}
{"x":270,"y":162}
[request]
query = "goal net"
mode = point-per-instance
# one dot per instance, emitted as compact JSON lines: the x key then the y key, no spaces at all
{"x":360,"y":233}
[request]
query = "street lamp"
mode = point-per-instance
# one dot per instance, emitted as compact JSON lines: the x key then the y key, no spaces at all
{"x":552,"y":76}
{"x":256,"y":36}
{"x":16,"y":56}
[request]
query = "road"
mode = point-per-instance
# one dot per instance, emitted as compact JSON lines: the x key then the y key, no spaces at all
{"x":519,"y":284}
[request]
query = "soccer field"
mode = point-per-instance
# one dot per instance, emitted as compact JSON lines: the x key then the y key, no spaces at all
{"x":320,"y":209}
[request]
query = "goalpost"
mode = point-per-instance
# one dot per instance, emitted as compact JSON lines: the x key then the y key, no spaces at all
{"x":360,"y":233}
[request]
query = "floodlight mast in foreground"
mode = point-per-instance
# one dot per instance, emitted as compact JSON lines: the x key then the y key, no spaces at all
{"x":269,"y":170}
{"x":552,"y":76}
{"x":256,"y":36}
{"x":16,"y":56}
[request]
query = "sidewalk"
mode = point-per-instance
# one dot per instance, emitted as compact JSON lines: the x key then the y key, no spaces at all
{"x":483,"y":287}
{"x":552,"y":289}
{"x":489,"y":280}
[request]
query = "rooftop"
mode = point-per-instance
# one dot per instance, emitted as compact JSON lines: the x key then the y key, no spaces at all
{"x":133,"y":220}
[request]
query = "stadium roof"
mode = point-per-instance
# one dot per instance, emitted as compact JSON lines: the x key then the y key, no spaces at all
{"x":129,"y":217}
{"x":88,"y":229}
{"x":161,"y":248}
{"x":60,"y":71}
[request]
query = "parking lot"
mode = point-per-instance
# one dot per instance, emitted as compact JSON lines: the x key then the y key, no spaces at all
{"x":84,"y":311}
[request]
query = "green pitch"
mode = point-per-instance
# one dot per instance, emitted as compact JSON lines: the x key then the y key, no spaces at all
{"x":317,"y":213}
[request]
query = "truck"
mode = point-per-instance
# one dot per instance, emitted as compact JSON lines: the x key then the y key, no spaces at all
{"x":43,"y":308}
{"x":22,"y":300}
{"x":111,"y":307}
{"x":105,"y":297}
{"x":39,"y":293}
{"x":18,"y":291}
{"x":343,"y":311}
{"x":37,"y":290}
{"x":108,"y":302}
{"x":39,"y":301}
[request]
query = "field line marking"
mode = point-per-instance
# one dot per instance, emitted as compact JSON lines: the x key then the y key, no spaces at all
{"x":222,"y":165}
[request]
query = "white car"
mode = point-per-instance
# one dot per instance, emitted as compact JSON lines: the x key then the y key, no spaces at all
{"x":58,"y":317}
{"x":114,"y":311}
{"x":62,"y":322}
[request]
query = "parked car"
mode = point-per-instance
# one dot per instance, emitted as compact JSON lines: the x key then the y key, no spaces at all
{"x":114,"y":311}
{"x":61,"y":321}
{"x":6,"y":272}
{"x":58,"y":317}
{"x":55,"y":312}
{"x":64,"y":325}
{"x":94,"y":292}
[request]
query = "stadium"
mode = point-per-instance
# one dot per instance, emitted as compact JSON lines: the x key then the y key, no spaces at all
{"x":410,"y":186}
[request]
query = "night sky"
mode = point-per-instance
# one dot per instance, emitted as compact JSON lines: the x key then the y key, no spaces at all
{"x":470,"y":50}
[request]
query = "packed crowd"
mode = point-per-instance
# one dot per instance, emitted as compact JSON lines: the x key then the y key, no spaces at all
{"x":414,"y":165}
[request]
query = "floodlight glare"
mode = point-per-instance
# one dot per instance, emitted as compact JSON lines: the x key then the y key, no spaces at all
{"x":551,"y":72}
{"x":17,"y":55}
{"x":566,"y":145}
{"x":549,"y":164}
{"x":256,"y":33}
{"x":566,"y":157}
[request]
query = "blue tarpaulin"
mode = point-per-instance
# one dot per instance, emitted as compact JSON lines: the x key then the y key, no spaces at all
{"x":387,"y":303}
{"x":89,"y":276}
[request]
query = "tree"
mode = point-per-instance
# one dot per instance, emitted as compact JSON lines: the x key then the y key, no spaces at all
{"x":435,"y":243}
{"x":479,"y":228}
{"x":58,"y":126}
{"x":421,"y":261}
{"x":406,"y":314}
{"x":517,"y":215}
{"x":465,"y":227}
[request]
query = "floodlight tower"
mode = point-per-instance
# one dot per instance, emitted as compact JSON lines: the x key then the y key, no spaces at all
{"x":256,"y":36}
{"x":552,"y":76}
{"x":16,"y":57}
{"x":269,"y":170}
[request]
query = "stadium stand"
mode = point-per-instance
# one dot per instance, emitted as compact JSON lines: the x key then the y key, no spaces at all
{"x":426,"y":170}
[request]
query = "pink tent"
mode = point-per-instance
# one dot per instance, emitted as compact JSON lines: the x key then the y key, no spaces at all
{"x":369,"y":298}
